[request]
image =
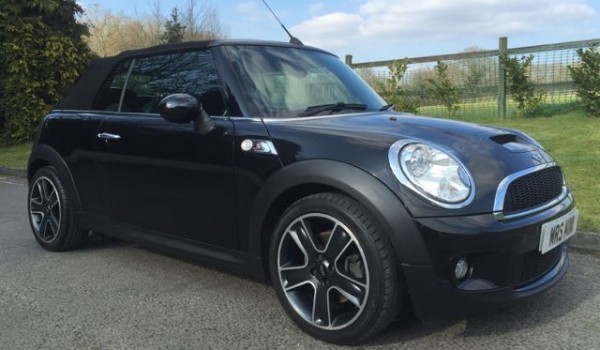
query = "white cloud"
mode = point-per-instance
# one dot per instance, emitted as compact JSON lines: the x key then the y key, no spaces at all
{"x":414,"y":20}
{"x":315,"y":8}
{"x":332,"y":30}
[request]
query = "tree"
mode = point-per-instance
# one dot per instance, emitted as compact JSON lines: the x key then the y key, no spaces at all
{"x":112,"y":33}
{"x":174,"y":30}
{"x":477,"y":73}
{"x":444,"y":90}
{"x":42,"y":54}
{"x":394,"y":92}
{"x":586,"y":75}
{"x":201,"y":22}
{"x":520,"y":86}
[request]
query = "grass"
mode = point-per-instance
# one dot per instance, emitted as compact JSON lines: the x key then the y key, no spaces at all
{"x":572,"y":138}
{"x":486,"y":110}
{"x":15,"y":156}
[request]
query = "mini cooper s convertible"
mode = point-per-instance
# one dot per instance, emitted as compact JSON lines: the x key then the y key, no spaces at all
{"x":277,"y":162}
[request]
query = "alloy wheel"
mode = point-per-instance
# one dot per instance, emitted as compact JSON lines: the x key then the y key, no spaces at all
{"x":323,"y":271}
{"x":45,"y":209}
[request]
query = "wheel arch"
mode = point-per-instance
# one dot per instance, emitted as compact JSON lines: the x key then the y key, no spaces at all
{"x":313,"y":176}
{"x":44,"y":155}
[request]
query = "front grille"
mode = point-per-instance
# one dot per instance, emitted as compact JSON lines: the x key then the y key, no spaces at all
{"x":536,"y":265}
{"x":533,"y":189}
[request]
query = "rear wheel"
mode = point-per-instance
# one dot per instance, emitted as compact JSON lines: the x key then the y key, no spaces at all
{"x":51,"y":213}
{"x":334,"y":270}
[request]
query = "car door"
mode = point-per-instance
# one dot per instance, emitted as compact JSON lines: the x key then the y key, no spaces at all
{"x":165,"y":177}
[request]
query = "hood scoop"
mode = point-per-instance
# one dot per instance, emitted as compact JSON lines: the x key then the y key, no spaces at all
{"x":504,"y":138}
{"x":513,"y":142}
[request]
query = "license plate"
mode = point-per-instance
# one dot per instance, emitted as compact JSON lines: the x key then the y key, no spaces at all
{"x":558,"y":231}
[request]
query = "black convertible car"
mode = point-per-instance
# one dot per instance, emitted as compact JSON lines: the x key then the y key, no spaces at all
{"x":277,"y":162}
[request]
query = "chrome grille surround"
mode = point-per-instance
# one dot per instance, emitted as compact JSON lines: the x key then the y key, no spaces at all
{"x":505,"y":184}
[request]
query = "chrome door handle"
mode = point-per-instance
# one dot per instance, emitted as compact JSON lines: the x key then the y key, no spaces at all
{"x":107,"y":136}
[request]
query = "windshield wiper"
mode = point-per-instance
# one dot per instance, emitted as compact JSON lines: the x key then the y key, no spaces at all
{"x":333,"y":107}
{"x":386,"y":107}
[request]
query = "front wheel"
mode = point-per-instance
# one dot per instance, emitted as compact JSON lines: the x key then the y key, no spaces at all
{"x":333,"y":269}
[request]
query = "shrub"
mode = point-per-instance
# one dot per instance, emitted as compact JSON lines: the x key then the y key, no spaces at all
{"x":586,"y":75}
{"x":443,"y":89}
{"x":41,"y":54}
{"x":520,"y":86}
{"x":393,"y":91}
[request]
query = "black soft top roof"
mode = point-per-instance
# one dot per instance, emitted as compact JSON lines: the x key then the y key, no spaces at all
{"x":191,"y":45}
{"x":82,"y":94}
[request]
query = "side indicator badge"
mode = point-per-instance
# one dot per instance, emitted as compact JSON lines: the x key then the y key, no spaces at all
{"x":258,"y":146}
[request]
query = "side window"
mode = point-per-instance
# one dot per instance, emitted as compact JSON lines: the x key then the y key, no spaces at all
{"x":155,"y":77}
{"x":109,"y":96}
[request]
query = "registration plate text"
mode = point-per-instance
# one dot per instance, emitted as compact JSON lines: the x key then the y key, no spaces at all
{"x":558,"y":231}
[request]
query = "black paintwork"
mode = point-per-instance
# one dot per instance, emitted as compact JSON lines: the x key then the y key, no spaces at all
{"x":364,"y":139}
{"x":163,"y":176}
{"x":199,"y":195}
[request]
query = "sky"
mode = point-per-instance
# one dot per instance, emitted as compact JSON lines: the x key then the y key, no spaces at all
{"x":373,"y":30}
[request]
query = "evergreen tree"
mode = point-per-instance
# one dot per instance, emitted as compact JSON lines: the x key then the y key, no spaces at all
{"x":42,"y":53}
{"x":174,"y":30}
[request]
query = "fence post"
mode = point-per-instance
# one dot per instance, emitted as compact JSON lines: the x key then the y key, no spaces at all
{"x":349,"y":60}
{"x":502,"y":48}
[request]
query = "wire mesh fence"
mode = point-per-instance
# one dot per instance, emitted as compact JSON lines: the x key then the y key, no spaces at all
{"x":480,"y":80}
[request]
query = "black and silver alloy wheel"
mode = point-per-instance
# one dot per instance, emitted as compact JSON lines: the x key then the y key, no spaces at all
{"x":334,"y":270}
{"x":51,"y":212}
{"x":45,"y":209}
{"x":323,"y":271}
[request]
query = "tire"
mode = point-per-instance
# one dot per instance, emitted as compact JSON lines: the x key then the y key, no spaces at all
{"x":334,"y":270}
{"x":51,"y":214}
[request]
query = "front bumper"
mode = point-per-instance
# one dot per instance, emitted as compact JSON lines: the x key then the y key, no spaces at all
{"x":435,"y":299}
{"x":506,"y":265}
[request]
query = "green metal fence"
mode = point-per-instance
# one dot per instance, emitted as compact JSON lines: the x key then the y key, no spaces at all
{"x":481,"y":79}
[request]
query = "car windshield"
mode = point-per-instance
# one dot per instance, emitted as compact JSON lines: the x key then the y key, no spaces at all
{"x":294,"y":82}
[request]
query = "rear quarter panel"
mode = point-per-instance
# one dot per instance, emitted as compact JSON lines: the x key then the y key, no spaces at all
{"x":73,"y":136}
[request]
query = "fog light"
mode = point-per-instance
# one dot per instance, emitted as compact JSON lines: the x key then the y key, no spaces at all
{"x":461,"y":268}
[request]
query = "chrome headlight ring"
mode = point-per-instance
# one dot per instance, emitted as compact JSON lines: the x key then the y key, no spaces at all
{"x":425,"y":162}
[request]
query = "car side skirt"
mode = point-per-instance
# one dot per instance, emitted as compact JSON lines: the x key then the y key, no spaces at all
{"x":227,"y":260}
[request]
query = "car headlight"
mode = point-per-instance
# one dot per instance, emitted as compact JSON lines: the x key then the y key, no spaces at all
{"x":432,"y":173}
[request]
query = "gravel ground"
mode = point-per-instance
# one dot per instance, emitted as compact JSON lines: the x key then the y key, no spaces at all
{"x":115,"y":295}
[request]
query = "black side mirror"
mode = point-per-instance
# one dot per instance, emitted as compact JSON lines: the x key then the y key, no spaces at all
{"x":179,"y":108}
